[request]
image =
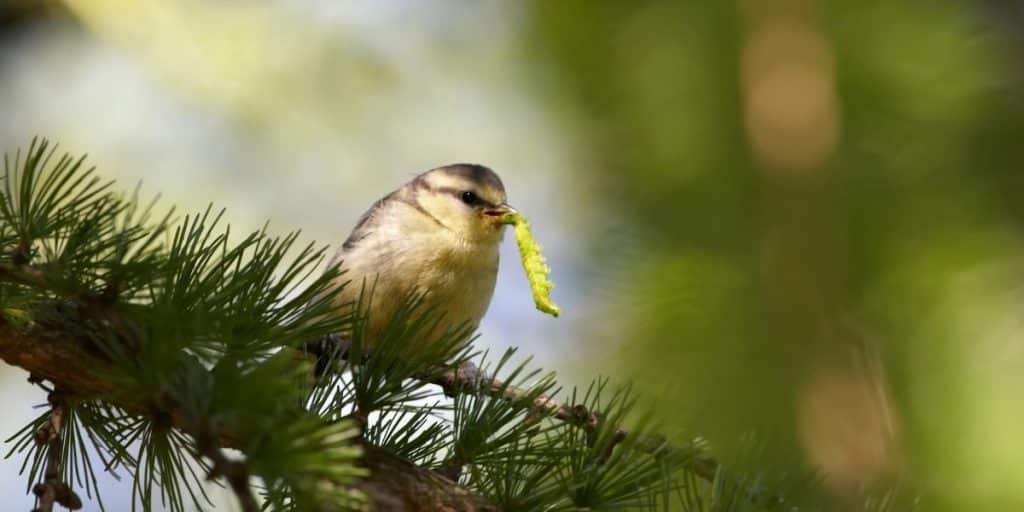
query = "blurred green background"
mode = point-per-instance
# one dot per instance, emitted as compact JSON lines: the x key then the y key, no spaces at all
{"x":793,"y":218}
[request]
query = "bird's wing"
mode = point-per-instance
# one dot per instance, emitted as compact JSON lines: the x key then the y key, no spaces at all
{"x":366,"y":223}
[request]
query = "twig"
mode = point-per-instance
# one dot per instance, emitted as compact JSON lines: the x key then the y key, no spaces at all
{"x":208,"y":444}
{"x":467,"y":379}
{"x":237,"y":475}
{"x":52,"y":490}
{"x":23,"y":275}
{"x":451,"y":469}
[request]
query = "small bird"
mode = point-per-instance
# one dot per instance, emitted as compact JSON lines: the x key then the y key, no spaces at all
{"x":438,"y":235}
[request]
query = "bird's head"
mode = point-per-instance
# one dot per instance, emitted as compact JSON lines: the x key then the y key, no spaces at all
{"x":468,"y":199}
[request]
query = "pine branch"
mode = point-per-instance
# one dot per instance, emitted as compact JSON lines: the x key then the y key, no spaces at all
{"x":393,"y":484}
{"x":466,"y":379}
{"x":486,"y":432}
{"x":56,"y":358}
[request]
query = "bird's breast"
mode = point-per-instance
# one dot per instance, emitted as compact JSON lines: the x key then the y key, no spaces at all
{"x":457,"y":279}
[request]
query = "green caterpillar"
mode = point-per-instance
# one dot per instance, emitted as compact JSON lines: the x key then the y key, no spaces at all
{"x":533,"y":263}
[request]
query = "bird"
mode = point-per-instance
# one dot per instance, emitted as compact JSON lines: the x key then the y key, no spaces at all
{"x":438,"y":235}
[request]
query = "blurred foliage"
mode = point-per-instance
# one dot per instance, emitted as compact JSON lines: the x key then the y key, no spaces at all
{"x":822,"y":239}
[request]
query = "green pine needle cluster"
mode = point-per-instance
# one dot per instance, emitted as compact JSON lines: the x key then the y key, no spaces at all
{"x":202,"y":335}
{"x":190,"y":319}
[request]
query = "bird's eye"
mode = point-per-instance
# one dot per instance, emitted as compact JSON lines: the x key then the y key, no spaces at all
{"x":470,"y":198}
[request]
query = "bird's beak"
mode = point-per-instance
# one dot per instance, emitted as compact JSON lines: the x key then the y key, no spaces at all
{"x":500,"y":210}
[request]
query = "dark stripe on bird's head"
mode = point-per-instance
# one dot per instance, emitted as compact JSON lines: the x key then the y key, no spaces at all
{"x":423,"y":211}
{"x":475,"y":173}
